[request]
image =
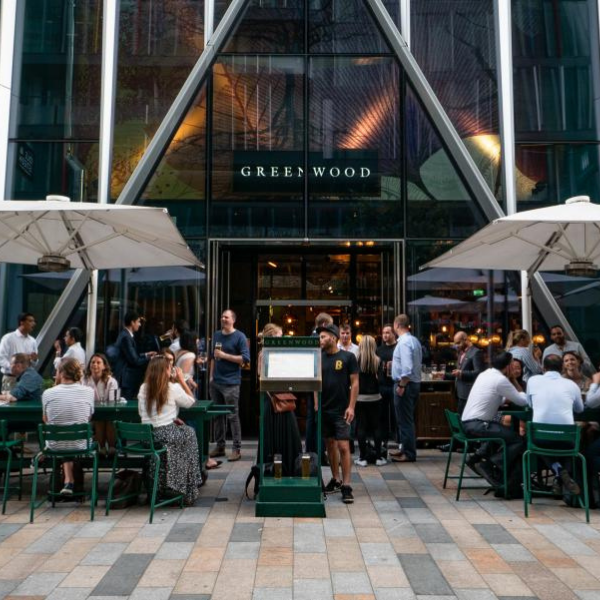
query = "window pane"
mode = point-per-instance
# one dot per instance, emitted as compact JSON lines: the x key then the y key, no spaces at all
{"x":159,"y":43}
{"x":40,"y":168}
{"x":270,"y":26}
{"x":60,"y":76}
{"x":355,"y":149}
{"x":258,"y":145}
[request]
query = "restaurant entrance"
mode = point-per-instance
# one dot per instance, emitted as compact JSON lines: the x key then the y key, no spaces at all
{"x":356,"y":283}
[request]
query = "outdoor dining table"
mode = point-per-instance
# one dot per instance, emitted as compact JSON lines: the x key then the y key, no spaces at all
{"x":526,"y":414}
{"x":199,"y":415}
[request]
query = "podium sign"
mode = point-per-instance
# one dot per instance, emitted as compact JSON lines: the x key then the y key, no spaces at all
{"x":291,"y":365}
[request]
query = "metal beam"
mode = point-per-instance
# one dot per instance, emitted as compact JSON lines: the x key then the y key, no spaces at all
{"x":149,"y":161}
{"x":467,"y":168}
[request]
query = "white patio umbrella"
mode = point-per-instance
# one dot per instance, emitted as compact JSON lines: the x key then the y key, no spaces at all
{"x":56,"y":235}
{"x":437,"y":302}
{"x":557,"y":238}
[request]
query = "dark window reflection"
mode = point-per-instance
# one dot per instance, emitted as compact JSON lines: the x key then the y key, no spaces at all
{"x":159,"y":43}
{"x":438,"y":202}
{"x":275,"y":27}
{"x":258,"y":145}
{"x":355,"y":151}
{"x":548,"y":174}
{"x":557,"y":67}
{"x":41,"y":168}
{"x":59,"y":96}
{"x":338,"y":27}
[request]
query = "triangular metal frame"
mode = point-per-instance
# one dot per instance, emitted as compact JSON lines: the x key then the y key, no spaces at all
{"x":465,"y":165}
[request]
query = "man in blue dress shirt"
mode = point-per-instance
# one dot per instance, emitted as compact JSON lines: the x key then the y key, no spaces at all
{"x":406,"y":373}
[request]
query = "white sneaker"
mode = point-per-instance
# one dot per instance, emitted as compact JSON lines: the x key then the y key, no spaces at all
{"x":360,"y":463}
{"x":380,"y":462}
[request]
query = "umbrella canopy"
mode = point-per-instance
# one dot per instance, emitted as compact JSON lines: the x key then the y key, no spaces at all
{"x":437,"y":302}
{"x":58,"y":234}
{"x":546,"y":239}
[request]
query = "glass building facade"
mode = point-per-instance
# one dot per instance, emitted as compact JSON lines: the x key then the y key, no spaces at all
{"x":306,"y":173}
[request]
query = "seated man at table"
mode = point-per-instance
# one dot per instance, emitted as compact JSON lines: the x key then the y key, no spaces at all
{"x":553,"y":399}
{"x":29,"y":383}
{"x":488,"y":393}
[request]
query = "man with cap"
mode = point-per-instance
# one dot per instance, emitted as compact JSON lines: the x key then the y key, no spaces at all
{"x":339,"y":372}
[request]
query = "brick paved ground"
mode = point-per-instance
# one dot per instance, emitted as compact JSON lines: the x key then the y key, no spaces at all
{"x":404,"y":538}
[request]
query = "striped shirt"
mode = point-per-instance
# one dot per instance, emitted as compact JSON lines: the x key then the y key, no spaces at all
{"x":530,"y":365}
{"x":68,"y":404}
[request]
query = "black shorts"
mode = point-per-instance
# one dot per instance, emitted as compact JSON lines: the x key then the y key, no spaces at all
{"x":334,"y":427}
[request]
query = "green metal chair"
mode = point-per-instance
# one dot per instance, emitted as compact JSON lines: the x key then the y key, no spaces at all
{"x":459,"y":436}
{"x":544,"y":432}
{"x":9,"y":446}
{"x":64,"y":433}
{"x":137,"y":439}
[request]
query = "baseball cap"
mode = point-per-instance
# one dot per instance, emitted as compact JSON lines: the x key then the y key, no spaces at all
{"x":333,"y":329}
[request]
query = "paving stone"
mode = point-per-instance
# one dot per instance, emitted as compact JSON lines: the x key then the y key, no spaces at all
{"x":104,"y":554}
{"x":70,"y":594}
{"x":175,"y":550}
{"x":514,"y":553}
{"x":588,"y":595}
{"x":394,"y":594}
{"x":190,"y":596}
{"x":272,"y":594}
{"x":243,"y":550}
{"x":311,"y":589}
{"x":122,"y":578}
{"x":184,"y":532}
{"x":151,"y":593}
{"x":53,"y":539}
{"x":194,"y":514}
{"x":495,"y":534}
{"x":309,"y":537}
{"x":97,"y":529}
{"x":351,"y":583}
{"x":39,"y":584}
{"x":436,"y":597}
{"x":386,"y":506}
{"x":338,"y":528}
{"x":379,"y":554}
{"x":565,"y":540}
{"x":411,"y":502}
{"x":424,"y":575}
{"x":202,"y":502}
{"x":445,"y":552}
{"x":433,"y":533}
{"x":7,"y":529}
{"x":476,"y":594}
{"x":246,"y":532}
{"x":393,"y":476}
{"x":8,"y":585}
{"x":421,"y":515}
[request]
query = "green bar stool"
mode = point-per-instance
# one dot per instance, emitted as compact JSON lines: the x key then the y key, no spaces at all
{"x":64,"y":433}
{"x":459,"y":436}
{"x":545,"y":432}
{"x":9,"y":446}
{"x":137,"y":439}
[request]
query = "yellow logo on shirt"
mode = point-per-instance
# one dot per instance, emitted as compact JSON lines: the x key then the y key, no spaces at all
{"x":339,"y":365}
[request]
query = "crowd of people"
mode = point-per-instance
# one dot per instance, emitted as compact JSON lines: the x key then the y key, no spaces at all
{"x":369,"y":395}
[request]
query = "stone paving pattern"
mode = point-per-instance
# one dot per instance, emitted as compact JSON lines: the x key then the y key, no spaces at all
{"x":404,"y":538}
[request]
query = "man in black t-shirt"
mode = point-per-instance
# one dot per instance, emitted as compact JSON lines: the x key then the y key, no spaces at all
{"x":385,"y":352}
{"x":339,"y":371}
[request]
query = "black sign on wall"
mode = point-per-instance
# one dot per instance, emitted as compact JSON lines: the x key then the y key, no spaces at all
{"x":347,"y":172}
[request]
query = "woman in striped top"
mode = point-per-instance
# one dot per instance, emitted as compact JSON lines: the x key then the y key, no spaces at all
{"x":98,"y":377}
{"x":68,"y":403}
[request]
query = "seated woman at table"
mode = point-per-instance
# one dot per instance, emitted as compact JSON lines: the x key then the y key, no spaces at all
{"x":98,"y":376}
{"x":185,"y":358}
{"x":572,"y":369}
{"x":159,"y":401}
{"x":68,"y":403}
{"x":521,"y":350}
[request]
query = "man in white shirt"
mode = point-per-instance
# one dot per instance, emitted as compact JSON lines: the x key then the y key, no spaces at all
{"x":345,"y":342}
{"x":488,"y":393}
{"x":73,"y":337}
{"x":553,"y":399}
{"x":19,"y":341}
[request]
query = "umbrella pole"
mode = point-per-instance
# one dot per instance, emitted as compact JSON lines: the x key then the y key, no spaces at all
{"x":526,"y":302}
{"x":92,"y":303}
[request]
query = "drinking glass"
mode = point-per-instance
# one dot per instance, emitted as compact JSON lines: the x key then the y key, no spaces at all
{"x":202,"y":358}
{"x":218,"y":346}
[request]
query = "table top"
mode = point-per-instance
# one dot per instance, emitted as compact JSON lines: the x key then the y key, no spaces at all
{"x":129,"y":407}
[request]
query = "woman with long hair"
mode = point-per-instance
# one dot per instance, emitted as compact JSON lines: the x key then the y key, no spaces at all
{"x":521,"y":350}
{"x":159,"y":401}
{"x":573,"y":370}
{"x":98,"y":376}
{"x":368,"y":405}
{"x":185,"y":358}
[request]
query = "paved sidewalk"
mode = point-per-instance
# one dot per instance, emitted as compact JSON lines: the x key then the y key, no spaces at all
{"x":404,"y":538}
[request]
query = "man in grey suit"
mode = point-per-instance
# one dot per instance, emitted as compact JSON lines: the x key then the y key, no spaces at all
{"x":468,"y":366}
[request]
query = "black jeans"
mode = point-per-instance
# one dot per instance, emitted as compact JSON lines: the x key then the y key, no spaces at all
{"x":515,"y":445}
{"x":405,"y":406}
{"x":368,"y":421}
